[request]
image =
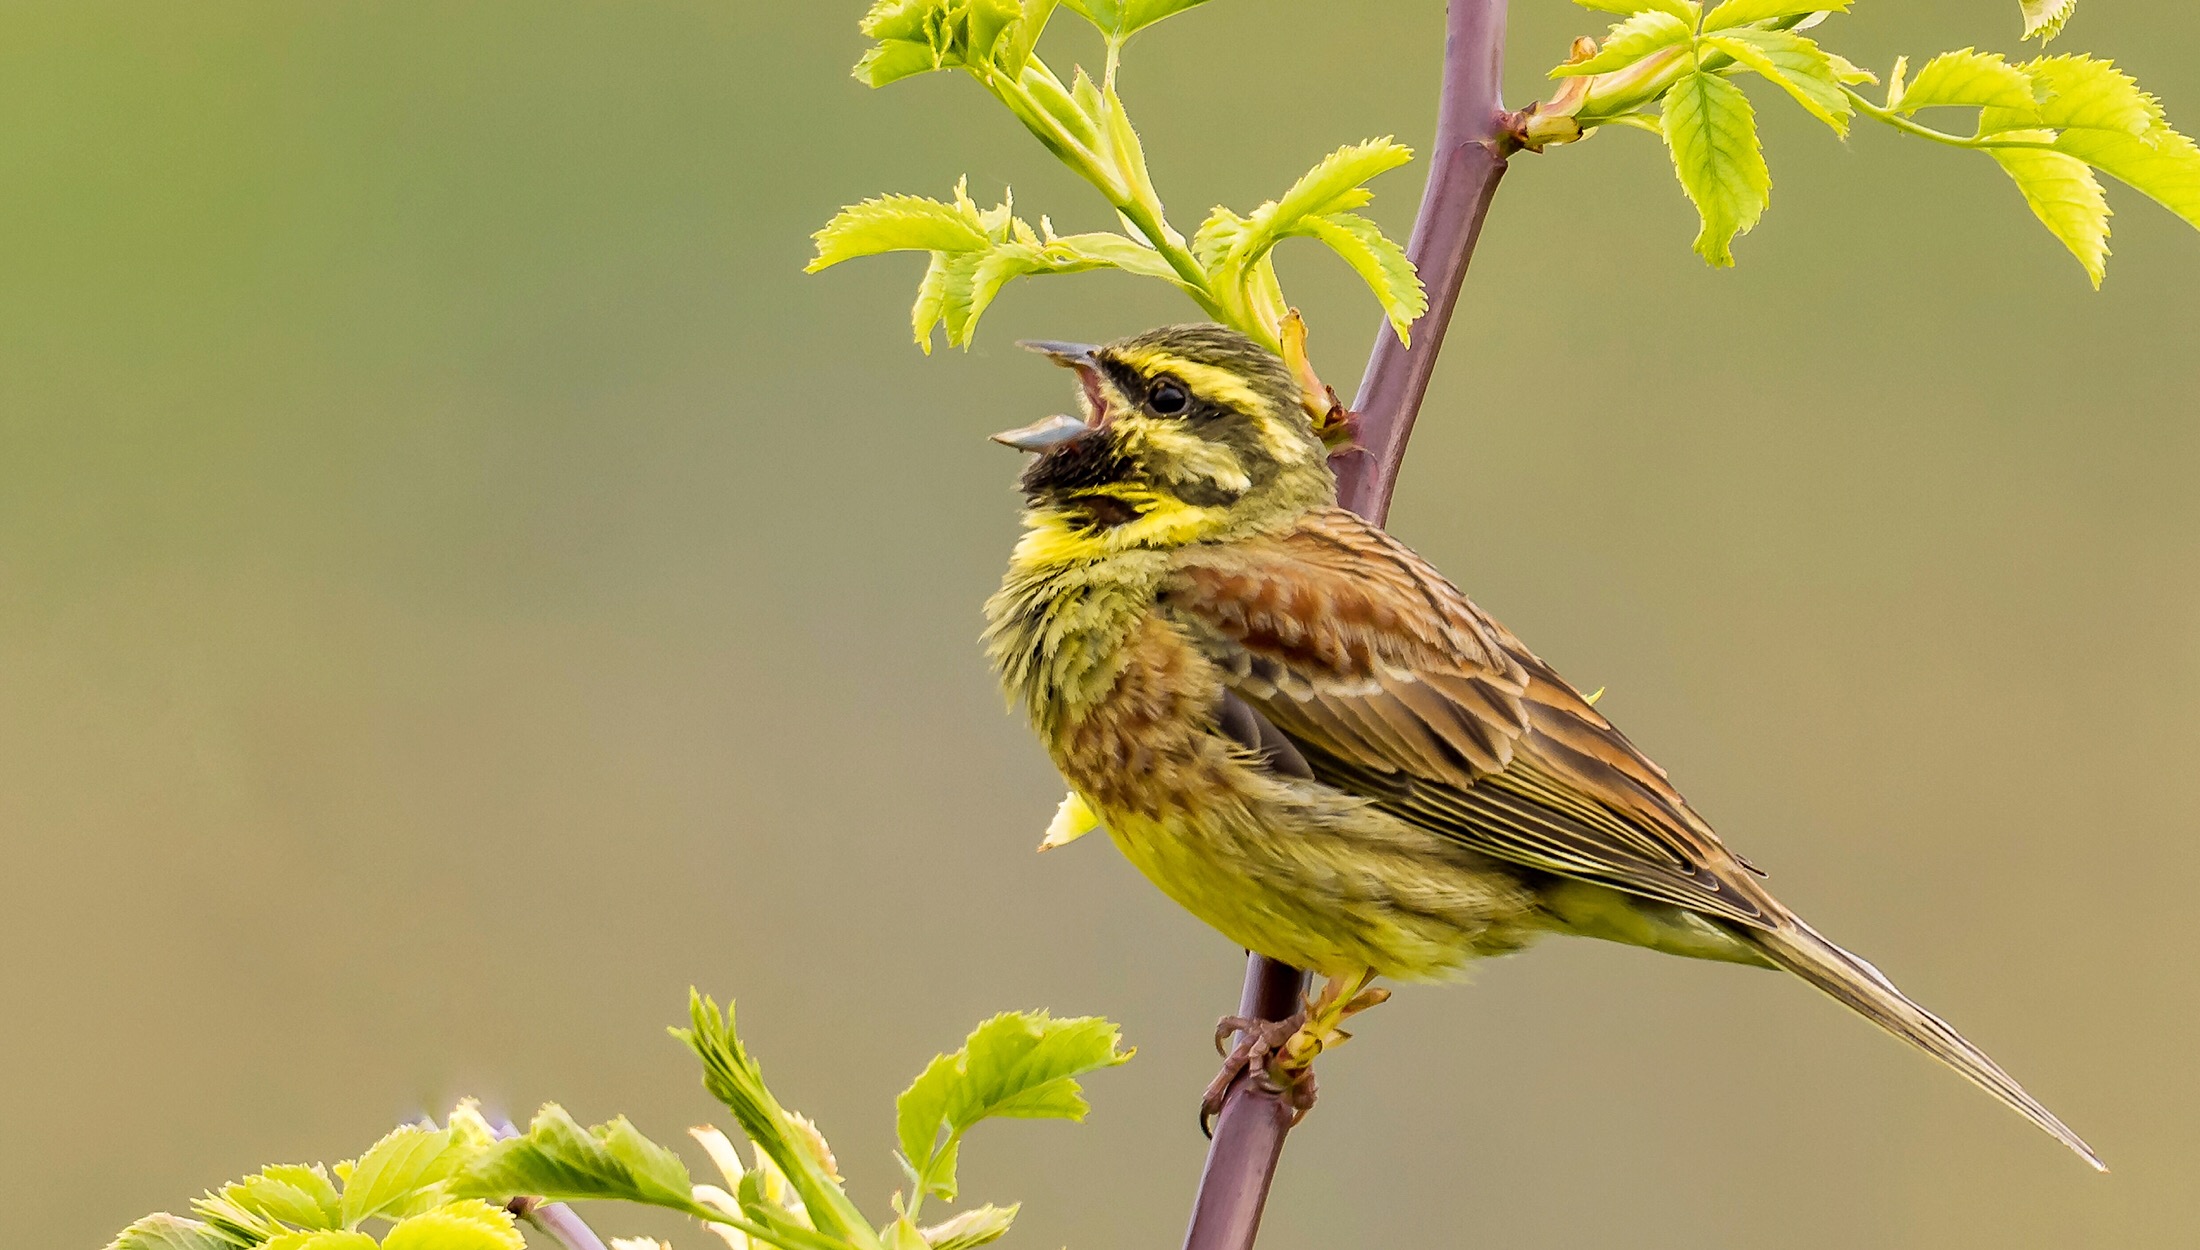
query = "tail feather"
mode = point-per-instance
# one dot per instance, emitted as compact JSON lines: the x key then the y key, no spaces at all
{"x":1800,"y":949}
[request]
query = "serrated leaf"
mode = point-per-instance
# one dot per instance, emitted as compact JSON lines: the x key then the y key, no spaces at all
{"x":1743,"y":12}
{"x":468,"y":1225}
{"x":2064,"y":195}
{"x":1686,"y":10}
{"x":1120,"y":19}
{"x":297,"y":1196}
{"x":1712,"y":134}
{"x":400,"y":1173}
{"x":894,"y":60}
{"x":1641,"y":35}
{"x":973,"y":1228}
{"x":2082,"y":93}
{"x":897,"y":223}
{"x":1222,"y":231}
{"x":1019,"y":1065}
{"x":2045,"y":18}
{"x":1969,"y":78}
{"x":1381,"y":263}
{"x":1335,"y":183}
{"x":2164,"y":165}
{"x":1795,"y":64}
{"x":328,"y":1239}
{"x":734,"y":1079}
{"x":559,"y":1160}
{"x":162,"y":1231}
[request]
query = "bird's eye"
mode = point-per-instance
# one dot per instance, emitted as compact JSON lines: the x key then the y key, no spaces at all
{"x":1168,"y":398}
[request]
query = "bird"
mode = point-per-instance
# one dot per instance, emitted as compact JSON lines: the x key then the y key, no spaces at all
{"x":1309,"y":738}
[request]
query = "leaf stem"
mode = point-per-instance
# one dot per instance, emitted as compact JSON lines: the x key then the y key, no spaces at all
{"x":1909,"y":127}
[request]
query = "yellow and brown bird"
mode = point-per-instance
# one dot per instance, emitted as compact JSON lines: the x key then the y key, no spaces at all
{"x":1305,"y":735}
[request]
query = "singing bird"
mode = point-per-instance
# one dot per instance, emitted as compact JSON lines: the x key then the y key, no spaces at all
{"x":1307,"y":737}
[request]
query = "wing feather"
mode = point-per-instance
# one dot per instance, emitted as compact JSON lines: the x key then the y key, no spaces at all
{"x":1394,"y":686}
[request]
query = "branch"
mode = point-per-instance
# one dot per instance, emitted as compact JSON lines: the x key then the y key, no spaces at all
{"x":1463,"y":176}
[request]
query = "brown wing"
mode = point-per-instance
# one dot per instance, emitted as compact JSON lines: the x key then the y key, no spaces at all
{"x":1394,"y":686}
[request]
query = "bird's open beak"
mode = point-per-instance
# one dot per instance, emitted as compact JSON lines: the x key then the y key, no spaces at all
{"x":1057,"y":430}
{"x":1044,"y":433}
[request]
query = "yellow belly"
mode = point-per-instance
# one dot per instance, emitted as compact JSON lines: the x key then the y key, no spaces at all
{"x":1356,"y":891}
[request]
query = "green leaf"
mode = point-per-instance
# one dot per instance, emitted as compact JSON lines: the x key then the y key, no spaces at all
{"x":898,"y":223}
{"x":2045,"y":18}
{"x":2064,"y":195}
{"x":279,"y":1196}
{"x":1641,"y":35}
{"x":1712,"y":134}
{"x":1969,"y":78}
{"x":734,"y":1079}
{"x":1380,"y":263}
{"x":345,"y":1239}
{"x":162,"y":1231}
{"x":1687,"y":10}
{"x":1120,"y":19}
{"x":973,"y":1228}
{"x":1743,"y":12}
{"x":1795,"y":64}
{"x":1335,"y":184}
{"x":2164,"y":165}
{"x":470,"y":1225}
{"x":1017,"y":1064}
{"x":403,"y":1173}
{"x":559,"y":1160}
{"x":896,"y":59}
{"x":1056,"y":102}
{"x":2082,"y":93}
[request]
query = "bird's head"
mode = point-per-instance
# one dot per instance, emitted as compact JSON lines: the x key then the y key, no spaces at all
{"x":1187,"y":433}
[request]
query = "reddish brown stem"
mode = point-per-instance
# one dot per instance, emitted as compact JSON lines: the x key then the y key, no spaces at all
{"x":1463,"y":174}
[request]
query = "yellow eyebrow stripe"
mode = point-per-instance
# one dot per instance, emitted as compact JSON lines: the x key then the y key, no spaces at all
{"x":1208,"y":382}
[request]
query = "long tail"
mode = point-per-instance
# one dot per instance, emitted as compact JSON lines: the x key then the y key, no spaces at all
{"x":1800,"y":949}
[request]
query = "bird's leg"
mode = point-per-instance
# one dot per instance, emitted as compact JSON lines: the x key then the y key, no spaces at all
{"x":1282,"y":1052}
{"x":1258,"y":1042}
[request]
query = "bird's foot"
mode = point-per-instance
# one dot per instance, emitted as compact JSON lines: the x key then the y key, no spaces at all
{"x":1281,"y":1053}
{"x":1258,"y":1052}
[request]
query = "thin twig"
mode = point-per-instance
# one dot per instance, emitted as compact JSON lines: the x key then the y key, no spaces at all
{"x":1463,"y":175}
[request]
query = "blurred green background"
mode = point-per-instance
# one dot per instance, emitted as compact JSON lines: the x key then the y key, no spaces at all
{"x":460,"y":584}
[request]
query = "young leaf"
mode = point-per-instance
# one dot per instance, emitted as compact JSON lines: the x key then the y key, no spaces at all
{"x":326,"y":1239}
{"x":2164,"y":165}
{"x":1017,"y":1064}
{"x":403,"y":1173}
{"x":898,"y":223}
{"x":1335,"y":185}
{"x":1649,"y":31}
{"x":1712,"y":134}
{"x":973,"y":1228}
{"x":469,"y":1225}
{"x":279,"y":1196}
{"x":733,"y":1078}
{"x":2085,"y":94}
{"x":558,"y":1159}
{"x":1743,"y":12}
{"x":2045,"y":18}
{"x":2065,"y":196}
{"x":1795,"y":64}
{"x":1120,"y":19}
{"x":1380,"y":263}
{"x":1687,"y":10}
{"x":162,"y":1231}
{"x":1969,"y":78}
